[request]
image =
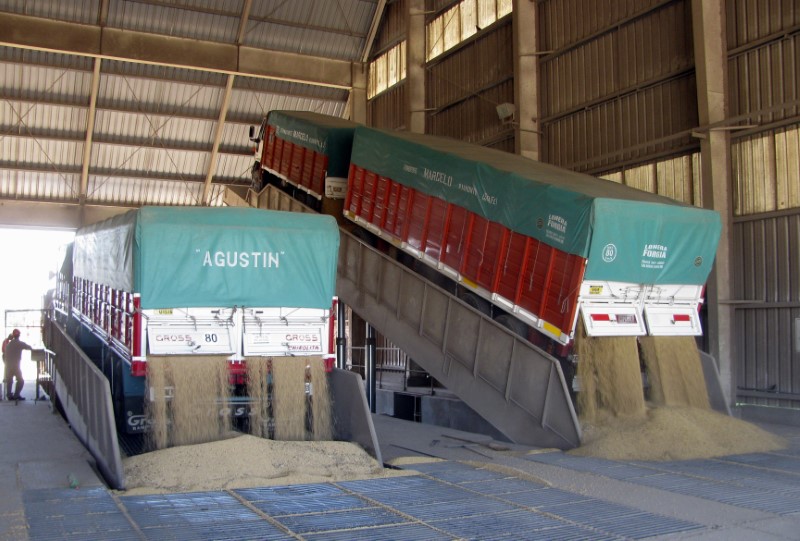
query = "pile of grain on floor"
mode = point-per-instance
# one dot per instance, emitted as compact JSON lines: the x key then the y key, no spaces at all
{"x":244,"y":461}
{"x":676,"y":423}
{"x":675,"y":433}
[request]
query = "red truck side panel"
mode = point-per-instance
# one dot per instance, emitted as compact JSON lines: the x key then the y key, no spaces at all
{"x":383,"y":188}
{"x":456,"y":239}
{"x":318,"y":174}
{"x":369,"y":187}
{"x":510,"y":267}
{"x":415,"y":227}
{"x":435,"y":233}
{"x":296,"y":159}
{"x":481,"y":255}
{"x":530,"y":274}
{"x":268,"y":152}
{"x":276,"y":155}
{"x":300,"y":165}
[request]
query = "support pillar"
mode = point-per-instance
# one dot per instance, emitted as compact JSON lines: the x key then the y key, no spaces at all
{"x":415,"y":69}
{"x":527,"y":137}
{"x":711,"y":63}
{"x":358,"y":93}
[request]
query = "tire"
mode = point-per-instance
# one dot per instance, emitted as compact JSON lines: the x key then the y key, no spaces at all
{"x":475,"y":301}
{"x":514,"y":325}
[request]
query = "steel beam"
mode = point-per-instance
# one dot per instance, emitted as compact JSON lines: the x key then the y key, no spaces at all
{"x":87,"y":145}
{"x":212,"y":161}
{"x":54,"y":215}
{"x":27,"y":32}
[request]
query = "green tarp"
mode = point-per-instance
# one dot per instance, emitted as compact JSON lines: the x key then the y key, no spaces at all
{"x":327,"y":135}
{"x":184,"y":257}
{"x":627,"y":235}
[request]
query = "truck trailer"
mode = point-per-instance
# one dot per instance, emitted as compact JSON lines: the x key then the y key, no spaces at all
{"x":189,"y":281}
{"x":542,"y":244}
{"x":307,"y":152}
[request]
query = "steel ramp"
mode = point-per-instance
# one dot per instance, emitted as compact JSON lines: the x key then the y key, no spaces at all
{"x":515,"y":386}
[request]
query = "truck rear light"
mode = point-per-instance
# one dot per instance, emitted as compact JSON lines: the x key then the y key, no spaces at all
{"x":681,"y":317}
{"x":138,"y":368}
{"x":330,"y":362}
{"x":601,"y":317}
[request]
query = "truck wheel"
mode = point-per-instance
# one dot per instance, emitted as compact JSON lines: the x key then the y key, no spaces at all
{"x":514,"y":325}
{"x":477,"y":302}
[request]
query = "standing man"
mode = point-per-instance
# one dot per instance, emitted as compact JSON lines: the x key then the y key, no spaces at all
{"x":12,"y":357}
{"x":5,"y":343}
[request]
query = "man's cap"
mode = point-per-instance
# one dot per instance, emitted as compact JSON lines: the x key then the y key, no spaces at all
{"x":16,"y":332}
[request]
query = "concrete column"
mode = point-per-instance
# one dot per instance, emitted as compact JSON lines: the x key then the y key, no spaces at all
{"x":527,"y":138}
{"x":358,"y":93}
{"x":711,"y":63}
{"x":415,"y":68}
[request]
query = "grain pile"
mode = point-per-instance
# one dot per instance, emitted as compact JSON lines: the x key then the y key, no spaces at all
{"x":675,"y":433}
{"x":246,"y":461}
{"x":194,"y":448}
{"x":675,"y":424}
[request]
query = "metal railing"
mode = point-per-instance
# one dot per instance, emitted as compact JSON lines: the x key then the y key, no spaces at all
{"x":85,"y":397}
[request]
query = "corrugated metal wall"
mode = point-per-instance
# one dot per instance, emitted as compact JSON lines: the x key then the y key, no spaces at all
{"x":764,"y":82}
{"x":465,"y":85}
{"x":618,"y":85}
{"x":768,"y":316}
{"x":389,"y":109}
{"x":618,"y":98}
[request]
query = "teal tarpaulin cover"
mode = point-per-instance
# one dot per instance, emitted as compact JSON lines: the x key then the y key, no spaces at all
{"x":626,"y":235}
{"x":208,"y":257}
{"x":325,"y":134}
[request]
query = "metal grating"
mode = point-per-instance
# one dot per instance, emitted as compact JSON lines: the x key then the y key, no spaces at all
{"x":500,"y":525}
{"x":429,"y":512}
{"x":311,"y":504}
{"x":321,"y":522}
{"x":285,"y":492}
{"x":202,"y":508}
{"x":621,"y":520}
{"x":415,"y":508}
{"x":545,"y":496}
{"x":221,"y":531}
{"x":402,"y":532}
{"x":67,"y":515}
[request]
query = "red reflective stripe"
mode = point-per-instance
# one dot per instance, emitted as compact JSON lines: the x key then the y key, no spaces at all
{"x":681,"y":317}
{"x":601,"y":317}
{"x":138,"y":368}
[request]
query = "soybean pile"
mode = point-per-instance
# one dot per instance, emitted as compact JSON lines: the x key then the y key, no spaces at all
{"x":673,"y":422}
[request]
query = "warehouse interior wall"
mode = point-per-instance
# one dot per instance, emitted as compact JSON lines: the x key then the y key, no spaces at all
{"x":692,"y":99}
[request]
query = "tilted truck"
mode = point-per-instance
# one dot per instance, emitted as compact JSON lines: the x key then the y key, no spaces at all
{"x":183,"y":281}
{"x":308,"y":151}
{"x":535,"y":246}
{"x":542,"y":244}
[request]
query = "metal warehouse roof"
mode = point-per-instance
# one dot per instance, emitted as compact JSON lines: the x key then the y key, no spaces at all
{"x":131,"y":102}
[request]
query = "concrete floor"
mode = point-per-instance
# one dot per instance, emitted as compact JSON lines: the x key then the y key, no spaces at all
{"x":468,"y":486}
